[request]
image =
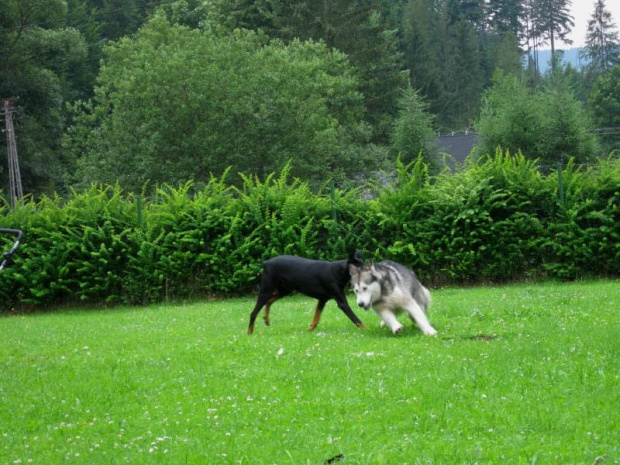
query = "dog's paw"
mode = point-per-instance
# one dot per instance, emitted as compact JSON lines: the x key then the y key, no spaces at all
{"x":431,"y":332}
{"x":397,"y":329}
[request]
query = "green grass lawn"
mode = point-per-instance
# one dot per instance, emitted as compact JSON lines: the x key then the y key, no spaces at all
{"x":518,"y":374}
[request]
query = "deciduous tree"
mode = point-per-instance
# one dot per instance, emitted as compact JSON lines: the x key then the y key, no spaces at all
{"x":177,"y":103}
{"x":38,"y":54}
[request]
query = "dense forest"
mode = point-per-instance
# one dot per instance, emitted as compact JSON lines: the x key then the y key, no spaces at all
{"x":140,"y":92}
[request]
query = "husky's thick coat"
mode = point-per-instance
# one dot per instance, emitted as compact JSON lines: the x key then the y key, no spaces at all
{"x":389,"y":288}
{"x":321,"y":280}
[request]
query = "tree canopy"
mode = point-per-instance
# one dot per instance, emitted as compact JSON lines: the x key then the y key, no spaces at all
{"x":38,"y":52}
{"x":548,"y":123}
{"x":171,"y":90}
{"x":602,"y":44}
{"x":176,"y":103}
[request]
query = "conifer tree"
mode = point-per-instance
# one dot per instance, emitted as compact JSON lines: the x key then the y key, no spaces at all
{"x":506,"y":16}
{"x":421,"y":50}
{"x":464,"y":79}
{"x":533,"y":38}
{"x":412,"y":132}
{"x":552,"y":20}
{"x":602,"y":43}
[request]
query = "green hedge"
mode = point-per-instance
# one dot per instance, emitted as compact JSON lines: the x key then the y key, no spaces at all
{"x":497,"y":220}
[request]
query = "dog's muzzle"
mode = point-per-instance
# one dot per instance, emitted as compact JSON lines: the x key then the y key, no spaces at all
{"x":364,"y":305}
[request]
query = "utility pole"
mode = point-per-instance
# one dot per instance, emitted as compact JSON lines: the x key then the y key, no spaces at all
{"x":15,"y":179}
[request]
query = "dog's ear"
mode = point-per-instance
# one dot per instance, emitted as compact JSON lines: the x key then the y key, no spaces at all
{"x":353,"y":269}
{"x":356,"y":258}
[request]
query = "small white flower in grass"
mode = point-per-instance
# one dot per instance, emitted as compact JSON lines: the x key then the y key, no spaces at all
{"x":280,"y":352}
{"x":249,"y":398}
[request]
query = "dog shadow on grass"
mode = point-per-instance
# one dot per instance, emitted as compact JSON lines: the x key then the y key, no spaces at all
{"x":480,"y":337}
{"x":408,"y":331}
{"x":412,"y":331}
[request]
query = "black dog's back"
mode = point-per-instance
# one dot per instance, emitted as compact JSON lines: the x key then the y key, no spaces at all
{"x":314,"y":278}
{"x":318,"y":279}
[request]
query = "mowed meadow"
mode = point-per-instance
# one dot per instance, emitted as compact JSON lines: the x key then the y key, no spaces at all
{"x":519,"y":374}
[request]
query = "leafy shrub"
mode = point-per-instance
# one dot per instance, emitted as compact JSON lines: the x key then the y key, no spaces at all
{"x":498,"y":220}
{"x":585,"y":240}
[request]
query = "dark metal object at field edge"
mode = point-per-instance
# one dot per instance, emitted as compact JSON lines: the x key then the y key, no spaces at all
{"x":7,"y":255}
{"x":15,"y":180}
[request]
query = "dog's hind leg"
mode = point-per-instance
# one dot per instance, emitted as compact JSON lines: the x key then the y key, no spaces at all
{"x":417,"y":314}
{"x":320,"y":305}
{"x":423,"y":298}
{"x":271,"y":300}
{"x":265,"y":294}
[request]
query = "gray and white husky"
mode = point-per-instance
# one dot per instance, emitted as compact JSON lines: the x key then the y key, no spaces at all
{"x":389,"y":287}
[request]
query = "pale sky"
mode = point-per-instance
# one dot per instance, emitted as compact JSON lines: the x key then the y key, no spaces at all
{"x":582,"y":11}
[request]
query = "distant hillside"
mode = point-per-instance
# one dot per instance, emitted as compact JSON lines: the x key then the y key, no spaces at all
{"x":570,"y":56}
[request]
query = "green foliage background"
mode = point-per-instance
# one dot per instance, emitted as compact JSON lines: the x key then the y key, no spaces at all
{"x":175,"y":103}
{"x":548,"y":123}
{"x":130,"y":91}
{"x":498,"y":220}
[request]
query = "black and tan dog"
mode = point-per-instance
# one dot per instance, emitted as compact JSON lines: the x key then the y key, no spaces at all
{"x":318,"y":279}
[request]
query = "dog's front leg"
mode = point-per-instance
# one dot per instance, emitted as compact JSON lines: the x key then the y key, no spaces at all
{"x":388,"y":317}
{"x":344,"y":306}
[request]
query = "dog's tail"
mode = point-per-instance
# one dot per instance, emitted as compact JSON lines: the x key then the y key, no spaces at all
{"x":423,"y":298}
